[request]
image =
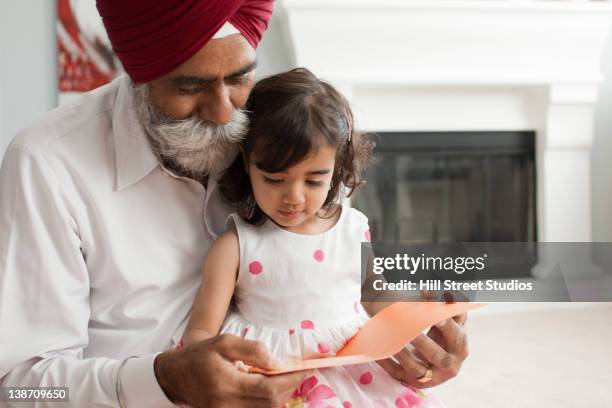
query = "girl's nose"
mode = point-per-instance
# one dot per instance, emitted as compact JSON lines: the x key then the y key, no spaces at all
{"x":294,"y":194}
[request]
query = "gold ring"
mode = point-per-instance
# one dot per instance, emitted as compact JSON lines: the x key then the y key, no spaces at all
{"x":426,"y":377}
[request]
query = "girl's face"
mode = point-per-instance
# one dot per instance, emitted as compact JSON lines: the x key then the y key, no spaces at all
{"x":292,"y":198}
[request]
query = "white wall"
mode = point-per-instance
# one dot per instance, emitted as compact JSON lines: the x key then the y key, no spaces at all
{"x":28,"y":62}
{"x":28,"y":69}
{"x":28,"y":88}
{"x":275,"y":53}
{"x":602,"y":161}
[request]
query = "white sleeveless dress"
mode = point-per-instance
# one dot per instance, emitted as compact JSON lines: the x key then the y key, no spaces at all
{"x":300,"y":296}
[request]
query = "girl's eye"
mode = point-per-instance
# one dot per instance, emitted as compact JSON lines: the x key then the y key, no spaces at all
{"x":314,"y":182}
{"x":272,"y":180}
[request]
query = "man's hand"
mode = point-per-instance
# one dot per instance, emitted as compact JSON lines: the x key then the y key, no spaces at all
{"x":204,"y":375}
{"x":443,"y":349}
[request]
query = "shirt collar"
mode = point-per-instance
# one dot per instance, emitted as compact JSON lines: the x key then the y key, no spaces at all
{"x":134,"y":158}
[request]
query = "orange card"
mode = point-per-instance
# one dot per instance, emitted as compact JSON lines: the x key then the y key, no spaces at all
{"x":383,"y":335}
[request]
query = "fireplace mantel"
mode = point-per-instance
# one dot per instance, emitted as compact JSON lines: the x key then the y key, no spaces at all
{"x":449,"y":65}
{"x":449,"y":42}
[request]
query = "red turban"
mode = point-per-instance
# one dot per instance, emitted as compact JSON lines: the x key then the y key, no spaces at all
{"x":151,"y":38}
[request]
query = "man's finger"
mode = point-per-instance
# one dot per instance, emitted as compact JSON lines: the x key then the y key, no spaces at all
{"x":286,"y":395}
{"x":432,"y":352}
{"x":289,"y":382}
{"x":407,"y":368}
{"x":394,"y":369}
{"x":413,"y":366}
{"x":461,"y":319}
{"x":251,"y":352}
{"x":274,"y":387}
{"x":454,"y":336}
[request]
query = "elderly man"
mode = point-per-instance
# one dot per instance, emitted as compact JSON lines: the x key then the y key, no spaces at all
{"x":108,"y":207}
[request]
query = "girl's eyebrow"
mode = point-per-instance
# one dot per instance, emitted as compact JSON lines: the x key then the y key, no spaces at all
{"x":319,"y":172}
{"x":310,"y":173}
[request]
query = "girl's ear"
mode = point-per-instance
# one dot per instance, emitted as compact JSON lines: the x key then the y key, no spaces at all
{"x":245,"y":160}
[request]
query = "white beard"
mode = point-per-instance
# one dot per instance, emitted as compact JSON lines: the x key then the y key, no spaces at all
{"x":191,"y":147}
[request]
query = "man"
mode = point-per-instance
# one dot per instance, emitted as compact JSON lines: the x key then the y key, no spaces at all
{"x":108,"y":207}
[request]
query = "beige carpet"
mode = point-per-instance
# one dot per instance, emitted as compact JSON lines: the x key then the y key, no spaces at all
{"x":556,"y":357}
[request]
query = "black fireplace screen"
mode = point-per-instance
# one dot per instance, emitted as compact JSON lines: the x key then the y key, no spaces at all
{"x":451,"y":187}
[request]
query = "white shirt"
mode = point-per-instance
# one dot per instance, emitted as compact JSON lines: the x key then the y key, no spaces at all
{"x":101,"y":251}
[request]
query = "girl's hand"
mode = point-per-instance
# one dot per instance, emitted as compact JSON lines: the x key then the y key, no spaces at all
{"x":442,"y":350}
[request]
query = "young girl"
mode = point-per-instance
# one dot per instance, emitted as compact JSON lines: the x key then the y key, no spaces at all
{"x":290,"y":261}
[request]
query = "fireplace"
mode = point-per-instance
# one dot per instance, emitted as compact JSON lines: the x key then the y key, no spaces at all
{"x":431,"y":187}
{"x":444,"y":187}
{"x":416,"y":67}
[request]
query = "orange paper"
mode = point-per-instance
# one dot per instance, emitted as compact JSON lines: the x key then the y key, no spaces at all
{"x":383,"y":335}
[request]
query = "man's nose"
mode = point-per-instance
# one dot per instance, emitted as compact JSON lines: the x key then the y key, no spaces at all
{"x":217,"y":106}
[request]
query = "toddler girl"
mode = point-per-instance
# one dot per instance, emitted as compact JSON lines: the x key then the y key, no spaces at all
{"x":288,"y":267}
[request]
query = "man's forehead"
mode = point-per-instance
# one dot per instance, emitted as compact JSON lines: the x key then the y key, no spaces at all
{"x":219,"y":58}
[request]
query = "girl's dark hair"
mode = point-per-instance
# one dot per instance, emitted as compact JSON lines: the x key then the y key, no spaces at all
{"x":292,"y":114}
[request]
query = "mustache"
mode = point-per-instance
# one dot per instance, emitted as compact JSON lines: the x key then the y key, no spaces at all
{"x":185,"y":134}
{"x":192,"y":146}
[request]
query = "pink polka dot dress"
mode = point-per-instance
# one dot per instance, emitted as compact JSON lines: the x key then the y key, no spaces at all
{"x":300,"y":296}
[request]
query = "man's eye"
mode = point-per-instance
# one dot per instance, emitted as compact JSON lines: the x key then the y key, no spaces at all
{"x":271,"y":180}
{"x":187,"y":91}
{"x":240,"y":80}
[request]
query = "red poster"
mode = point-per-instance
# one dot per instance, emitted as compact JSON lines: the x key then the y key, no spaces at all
{"x":85,"y":57}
